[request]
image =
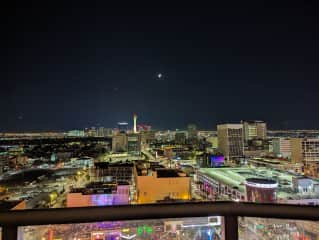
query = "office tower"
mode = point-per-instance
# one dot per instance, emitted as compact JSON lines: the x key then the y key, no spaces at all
{"x":281,"y":147}
{"x":180,"y":138}
{"x":119,"y":143}
{"x":306,"y":151}
{"x":101,"y":132}
{"x":108,"y":131}
{"x":254,"y":130}
{"x":192,"y":131}
{"x":90,"y":132}
{"x":230,"y":140}
{"x":192,"y":134}
{"x":134,"y":144}
{"x":148,"y":137}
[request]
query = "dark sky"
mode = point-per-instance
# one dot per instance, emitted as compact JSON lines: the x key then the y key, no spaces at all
{"x":79,"y":65}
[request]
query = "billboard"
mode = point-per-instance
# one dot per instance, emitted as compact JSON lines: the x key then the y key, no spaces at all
{"x":217,"y":160}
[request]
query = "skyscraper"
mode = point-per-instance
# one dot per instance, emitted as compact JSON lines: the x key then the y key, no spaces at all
{"x":90,"y":132}
{"x":230,"y":140}
{"x":254,"y":130}
{"x":180,"y":137}
{"x":100,"y":132}
{"x":281,"y":147}
{"x":192,"y":134}
{"x":134,"y":144}
{"x":147,"y":137}
{"x":119,"y":143}
{"x":192,"y":131}
{"x":306,"y":151}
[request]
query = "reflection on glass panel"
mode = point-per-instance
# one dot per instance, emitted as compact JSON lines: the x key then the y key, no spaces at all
{"x":203,"y":228}
{"x":277,"y":229}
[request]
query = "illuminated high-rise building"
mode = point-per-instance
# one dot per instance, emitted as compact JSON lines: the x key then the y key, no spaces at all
{"x":281,"y":147}
{"x":119,"y":143}
{"x":100,"y":132}
{"x":90,"y":132}
{"x":134,"y":144}
{"x":108,"y":131}
{"x":192,"y":131}
{"x":192,"y":134}
{"x":254,"y":130}
{"x":147,"y":137}
{"x":230,"y":140}
{"x":306,"y":151}
{"x":180,"y":137}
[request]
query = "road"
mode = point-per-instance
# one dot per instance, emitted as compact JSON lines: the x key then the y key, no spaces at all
{"x":80,"y":181}
{"x":148,"y":155}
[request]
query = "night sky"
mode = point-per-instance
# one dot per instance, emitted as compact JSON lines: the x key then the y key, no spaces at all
{"x":79,"y":65}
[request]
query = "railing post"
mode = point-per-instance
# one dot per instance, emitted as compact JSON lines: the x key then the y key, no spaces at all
{"x":231,"y":227}
{"x":9,"y":232}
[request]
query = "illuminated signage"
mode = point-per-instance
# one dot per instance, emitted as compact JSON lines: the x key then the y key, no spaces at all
{"x":217,"y":160}
{"x":262,"y":185}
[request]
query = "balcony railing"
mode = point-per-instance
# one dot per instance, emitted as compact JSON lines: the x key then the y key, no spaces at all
{"x":11,"y":220}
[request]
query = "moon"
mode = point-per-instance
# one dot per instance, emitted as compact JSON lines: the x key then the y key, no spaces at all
{"x":159,"y":76}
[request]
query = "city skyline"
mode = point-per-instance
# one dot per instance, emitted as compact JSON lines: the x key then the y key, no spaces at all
{"x":185,"y":122}
{"x":130,"y":126}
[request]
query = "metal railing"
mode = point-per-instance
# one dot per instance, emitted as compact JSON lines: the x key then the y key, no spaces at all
{"x":11,"y":220}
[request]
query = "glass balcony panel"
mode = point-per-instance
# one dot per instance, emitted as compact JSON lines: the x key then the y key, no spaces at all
{"x":277,"y":229}
{"x":202,"y":228}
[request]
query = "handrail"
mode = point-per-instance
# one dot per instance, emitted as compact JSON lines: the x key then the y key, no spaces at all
{"x":230,"y":210}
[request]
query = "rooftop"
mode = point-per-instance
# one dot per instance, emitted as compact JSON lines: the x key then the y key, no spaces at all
{"x":168,"y":173}
{"x":106,"y":165}
{"x":261,"y":181}
{"x":8,"y":205}
{"x":237,"y":177}
{"x":105,"y":184}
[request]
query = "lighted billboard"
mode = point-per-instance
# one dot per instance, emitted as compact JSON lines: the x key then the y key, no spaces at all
{"x":217,"y":160}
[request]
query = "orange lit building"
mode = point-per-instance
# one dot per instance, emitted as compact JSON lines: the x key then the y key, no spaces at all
{"x":99,"y":195}
{"x":153,"y":185}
